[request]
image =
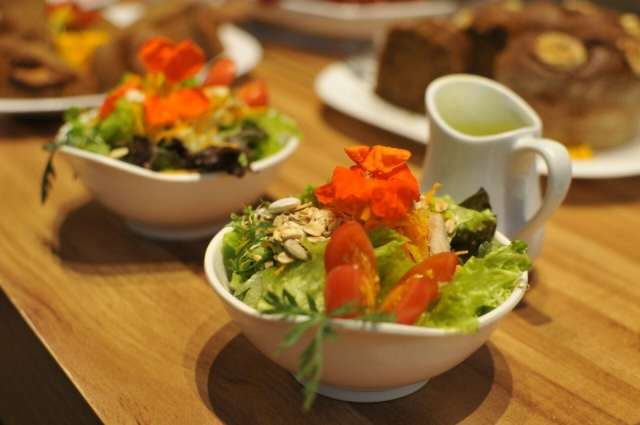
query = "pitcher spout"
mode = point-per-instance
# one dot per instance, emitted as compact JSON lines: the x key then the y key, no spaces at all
{"x":469,"y":107}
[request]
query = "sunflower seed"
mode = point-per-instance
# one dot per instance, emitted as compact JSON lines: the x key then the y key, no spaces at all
{"x":284,"y":204}
{"x":295,"y":249}
{"x":290,"y":230}
{"x":283,"y":258}
{"x":314,"y":228}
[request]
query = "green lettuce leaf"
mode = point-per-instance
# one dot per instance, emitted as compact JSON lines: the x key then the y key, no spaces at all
{"x":482,"y":284}
{"x":279,"y":129}
{"x":391,"y":257}
{"x":81,"y":135}
{"x":301,"y":279}
{"x":473,"y":228}
{"x":118,"y":127}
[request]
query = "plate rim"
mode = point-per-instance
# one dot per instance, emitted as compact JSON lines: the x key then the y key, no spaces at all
{"x":26,"y":105}
{"x":581,"y":170}
{"x":346,"y":12}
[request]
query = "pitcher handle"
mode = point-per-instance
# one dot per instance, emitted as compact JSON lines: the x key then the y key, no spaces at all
{"x":558,"y":161}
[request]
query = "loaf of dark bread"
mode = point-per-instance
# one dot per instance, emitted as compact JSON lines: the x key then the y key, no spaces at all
{"x":414,"y":55}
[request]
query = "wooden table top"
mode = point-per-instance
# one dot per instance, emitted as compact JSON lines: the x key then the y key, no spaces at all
{"x":142,"y":336}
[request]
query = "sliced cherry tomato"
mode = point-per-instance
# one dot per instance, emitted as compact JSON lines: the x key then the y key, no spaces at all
{"x":405,"y":295}
{"x":254,"y":93}
{"x":344,"y":286}
{"x":421,"y":291}
{"x":221,"y":73}
{"x":349,"y":244}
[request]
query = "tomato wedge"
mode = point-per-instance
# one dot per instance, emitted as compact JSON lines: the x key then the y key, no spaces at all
{"x":343,"y":287}
{"x":350,"y":245}
{"x":419,"y":287}
{"x":221,"y":73}
{"x":421,"y":291}
{"x":254,"y":94}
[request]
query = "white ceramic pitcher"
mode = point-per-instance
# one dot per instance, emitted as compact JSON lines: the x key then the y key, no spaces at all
{"x":482,"y":134}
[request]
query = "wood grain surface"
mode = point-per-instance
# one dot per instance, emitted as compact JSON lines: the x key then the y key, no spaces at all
{"x":138,"y":331}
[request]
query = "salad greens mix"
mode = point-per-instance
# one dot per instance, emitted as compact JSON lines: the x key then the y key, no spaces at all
{"x":369,"y":246}
{"x":166,"y":121}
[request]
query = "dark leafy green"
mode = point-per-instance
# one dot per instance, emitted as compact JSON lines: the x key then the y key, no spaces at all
{"x":475,"y":223}
{"x":479,"y":201}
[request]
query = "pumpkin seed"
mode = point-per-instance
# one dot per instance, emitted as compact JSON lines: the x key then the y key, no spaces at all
{"x":283,"y":258}
{"x":283,"y":205}
{"x":295,"y":249}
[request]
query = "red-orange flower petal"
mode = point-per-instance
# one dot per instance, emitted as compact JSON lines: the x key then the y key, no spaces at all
{"x":155,"y":53}
{"x":184,"y":62}
{"x":350,"y":185}
{"x":392,"y":199}
{"x":159,"y":111}
{"x":404,"y":174}
{"x":325,"y":194}
{"x":358,"y":153}
{"x":189,"y":102}
{"x":382,"y":159}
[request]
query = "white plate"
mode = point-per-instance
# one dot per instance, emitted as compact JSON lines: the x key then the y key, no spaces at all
{"x":349,"y":88}
{"x":238,"y":44}
{"x":348,"y":20}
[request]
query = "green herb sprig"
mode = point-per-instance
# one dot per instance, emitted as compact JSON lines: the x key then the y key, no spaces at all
{"x":48,"y":175}
{"x":251,"y":245}
{"x":311,"y":360}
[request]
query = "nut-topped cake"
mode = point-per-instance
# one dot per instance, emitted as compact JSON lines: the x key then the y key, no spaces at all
{"x":577,"y":64}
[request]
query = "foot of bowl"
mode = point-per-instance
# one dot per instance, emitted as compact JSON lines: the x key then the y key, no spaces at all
{"x":368,"y":396}
{"x":174,"y":233}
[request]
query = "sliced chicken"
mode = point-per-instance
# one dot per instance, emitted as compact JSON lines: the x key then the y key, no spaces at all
{"x":438,"y":238}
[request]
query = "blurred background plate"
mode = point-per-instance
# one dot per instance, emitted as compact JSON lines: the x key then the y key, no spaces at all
{"x":238,"y":44}
{"x":348,"y":20}
{"x":349,"y":88}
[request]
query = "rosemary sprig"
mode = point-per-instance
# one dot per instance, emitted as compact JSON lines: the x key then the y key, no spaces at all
{"x":310,"y":363}
{"x":49,"y":172}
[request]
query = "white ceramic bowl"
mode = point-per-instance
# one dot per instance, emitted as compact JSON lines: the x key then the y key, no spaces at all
{"x":365,"y":362}
{"x":172,"y":206}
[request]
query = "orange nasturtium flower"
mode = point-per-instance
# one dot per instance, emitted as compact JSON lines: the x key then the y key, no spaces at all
{"x":176,"y":61}
{"x":380,"y":187}
{"x":184,"y":103}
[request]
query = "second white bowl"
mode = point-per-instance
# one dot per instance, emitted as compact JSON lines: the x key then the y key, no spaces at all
{"x":172,"y":206}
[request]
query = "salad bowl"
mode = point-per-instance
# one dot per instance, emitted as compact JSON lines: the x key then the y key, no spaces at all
{"x":172,"y":154}
{"x":172,"y":205}
{"x":366,"y":362}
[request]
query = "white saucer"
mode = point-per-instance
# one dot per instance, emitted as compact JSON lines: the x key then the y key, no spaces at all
{"x":329,"y":18}
{"x":349,"y":88}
